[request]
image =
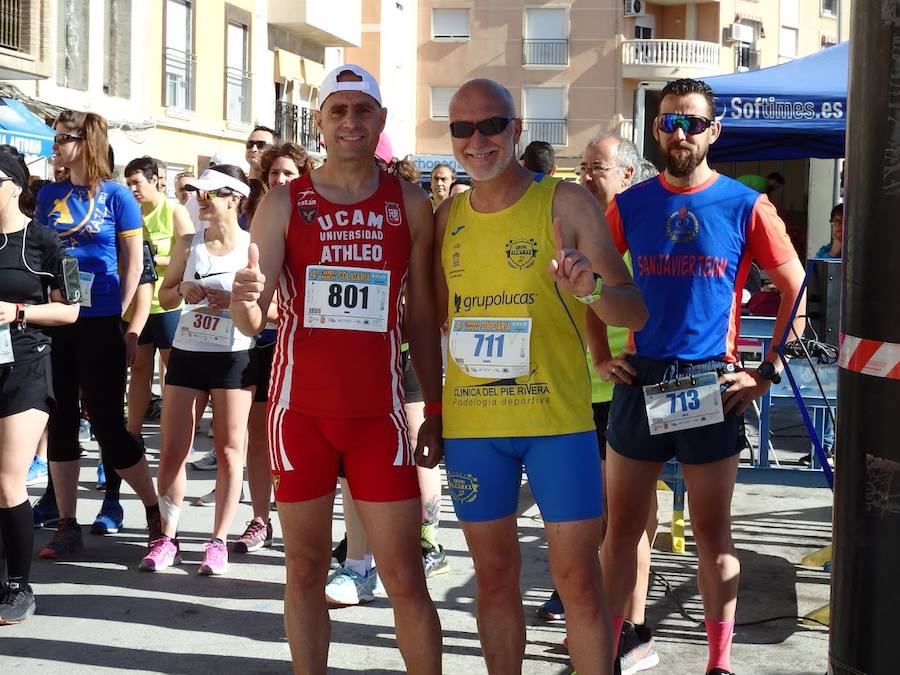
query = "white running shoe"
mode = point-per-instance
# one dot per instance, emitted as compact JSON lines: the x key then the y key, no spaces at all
{"x":346,"y":587}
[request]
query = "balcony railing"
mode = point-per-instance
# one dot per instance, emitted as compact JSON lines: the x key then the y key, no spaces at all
{"x":12,"y":15}
{"x":545,"y":52}
{"x":670,"y":53}
{"x":237,"y":95}
{"x":181,"y":69}
{"x":296,"y":124}
{"x":553,"y":131}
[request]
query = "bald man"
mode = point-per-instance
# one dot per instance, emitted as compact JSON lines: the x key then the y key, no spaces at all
{"x":519,"y":262}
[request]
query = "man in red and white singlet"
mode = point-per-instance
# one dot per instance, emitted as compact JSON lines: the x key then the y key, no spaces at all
{"x":343,"y":244}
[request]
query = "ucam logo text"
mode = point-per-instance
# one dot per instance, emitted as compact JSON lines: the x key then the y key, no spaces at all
{"x":355,"y":218}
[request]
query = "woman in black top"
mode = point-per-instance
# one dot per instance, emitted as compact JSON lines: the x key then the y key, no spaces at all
{"x":30,"y":256}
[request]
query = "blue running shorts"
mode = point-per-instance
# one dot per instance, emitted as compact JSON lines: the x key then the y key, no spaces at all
{"x":484,"y":475}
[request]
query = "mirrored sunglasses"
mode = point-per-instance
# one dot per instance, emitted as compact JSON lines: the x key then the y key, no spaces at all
{"x":689,"y":124}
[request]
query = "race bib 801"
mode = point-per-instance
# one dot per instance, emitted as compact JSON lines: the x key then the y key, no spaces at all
{"x":347,"y":298}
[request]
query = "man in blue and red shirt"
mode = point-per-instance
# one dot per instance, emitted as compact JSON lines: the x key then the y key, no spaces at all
{"x":692,"y":235}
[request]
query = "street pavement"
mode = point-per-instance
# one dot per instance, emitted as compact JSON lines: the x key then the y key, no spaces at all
{"x":97,"y":613}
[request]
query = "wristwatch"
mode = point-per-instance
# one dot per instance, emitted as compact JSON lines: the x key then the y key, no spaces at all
{"x":595,"y":296}
{"x":767,"y":371}
{"x":20,"y":316}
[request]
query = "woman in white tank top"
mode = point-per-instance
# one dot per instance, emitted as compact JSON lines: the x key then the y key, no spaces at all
{"x":208,"y":356}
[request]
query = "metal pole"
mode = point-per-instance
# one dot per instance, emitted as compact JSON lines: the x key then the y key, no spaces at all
{"x":865,"y":593}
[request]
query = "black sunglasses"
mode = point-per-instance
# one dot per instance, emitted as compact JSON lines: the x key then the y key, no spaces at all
{"x":689,"y":124}
{"x":61,"y":139}
{"x":259,"y":145}
{"x":489,"y":127}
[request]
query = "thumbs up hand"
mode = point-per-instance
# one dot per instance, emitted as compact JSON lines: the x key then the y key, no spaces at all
{"x":250,"y":281}
{"x":570,"y":269}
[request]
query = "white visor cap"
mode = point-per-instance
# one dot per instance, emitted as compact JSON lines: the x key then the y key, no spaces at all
{"x":216,"y":180}
{"x":366,"y":85}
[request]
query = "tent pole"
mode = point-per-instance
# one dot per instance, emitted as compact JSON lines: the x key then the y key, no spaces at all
{"x":865,"y":594}
{"x":836,"y":186}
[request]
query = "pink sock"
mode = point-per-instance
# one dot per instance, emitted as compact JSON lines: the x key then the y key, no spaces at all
{"x":618,"y":621}
{"x":719,"y":635}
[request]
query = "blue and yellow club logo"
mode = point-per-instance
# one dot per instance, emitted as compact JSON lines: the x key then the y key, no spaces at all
{"x":463,"y":487}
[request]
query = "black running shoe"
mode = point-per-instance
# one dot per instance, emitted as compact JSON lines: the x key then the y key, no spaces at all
{"x":339,"y":554}
{"x":720,"y":671}
{"x":553,"y":609}
{"x":16,"y":604}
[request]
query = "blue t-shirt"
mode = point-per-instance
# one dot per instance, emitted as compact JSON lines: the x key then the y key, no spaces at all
{"x":88,"y":226}
{"x":691,"y":250}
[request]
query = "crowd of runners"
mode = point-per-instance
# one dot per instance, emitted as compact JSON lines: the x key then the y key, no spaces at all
{"x":346,"y":329}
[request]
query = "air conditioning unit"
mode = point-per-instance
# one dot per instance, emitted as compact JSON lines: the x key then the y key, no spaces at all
{"x":634,"y":8}
{"x":740,"y":32}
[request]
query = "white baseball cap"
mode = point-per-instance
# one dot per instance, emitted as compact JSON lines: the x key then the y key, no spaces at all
{"x":366,"y":85}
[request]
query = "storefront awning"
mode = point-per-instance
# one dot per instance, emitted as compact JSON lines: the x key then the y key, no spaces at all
{"x":24,"y":130}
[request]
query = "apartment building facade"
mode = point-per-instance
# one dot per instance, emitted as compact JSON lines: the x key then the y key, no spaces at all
{"x":388,"y":51}
{"x":182,"y":80}
{"x":573,"y":65}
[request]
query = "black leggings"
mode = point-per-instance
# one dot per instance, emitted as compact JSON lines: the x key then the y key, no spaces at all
{"x":90,"y":354}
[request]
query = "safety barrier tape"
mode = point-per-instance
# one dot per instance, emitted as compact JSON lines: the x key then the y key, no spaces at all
{"x":870,"y":357}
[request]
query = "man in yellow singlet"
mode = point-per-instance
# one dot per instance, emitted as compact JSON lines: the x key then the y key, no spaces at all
{"x":519,"y":258}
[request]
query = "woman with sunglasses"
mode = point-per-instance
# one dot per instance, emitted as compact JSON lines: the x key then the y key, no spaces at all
{"x":99,"y":223}
{"x":278,"y":165}
{"x":30,"y":257}
{"x":208,"y":356}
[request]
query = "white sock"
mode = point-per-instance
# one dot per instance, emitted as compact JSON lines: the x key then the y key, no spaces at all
{"x":369,"y":562}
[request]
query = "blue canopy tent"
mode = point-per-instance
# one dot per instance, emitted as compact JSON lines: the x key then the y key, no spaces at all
{"x":24,"y":130}
{"x":793,"y":110}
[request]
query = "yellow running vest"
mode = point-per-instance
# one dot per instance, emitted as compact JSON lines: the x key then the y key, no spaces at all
{"x":495,"y":265}
{"x":159,"y":230}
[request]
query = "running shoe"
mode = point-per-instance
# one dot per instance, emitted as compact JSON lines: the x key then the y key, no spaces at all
{"x":37,"y":472}
{"x":209,"y":499}
{"x":154,"y":409}
{"x":553,"y":609}
{"x":16,"y":603}
{"x":164,"y":552}
{"x":84,"y":430}
{"x":637,"y":649}
{"x":206,"y":463}
{"x":435,"y":561}
{"x":101,"y":477}
{"x":339,"y":554}
{"x":257,"y":535}
{"x":346,"y":587}
{"x":66,"y":541}
{"x":45,"y":512}
{"x":215,"y":558}
{"x":720,"y":671}
{"x":110,"y":518}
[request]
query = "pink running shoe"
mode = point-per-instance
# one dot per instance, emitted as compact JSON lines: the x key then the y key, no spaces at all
{"x":164,"y":552}
{"x":215,"y":558}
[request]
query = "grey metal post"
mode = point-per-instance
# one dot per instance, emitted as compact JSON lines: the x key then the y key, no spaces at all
{"x":866,"y":567}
